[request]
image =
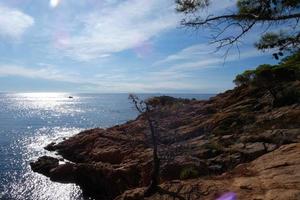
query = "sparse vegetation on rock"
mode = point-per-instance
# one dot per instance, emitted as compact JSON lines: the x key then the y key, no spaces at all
{"x":280,"y":81}
{"x":206,"y":143}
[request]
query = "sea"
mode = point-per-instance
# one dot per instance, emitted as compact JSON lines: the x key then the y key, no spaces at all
{"x":30,"y":121}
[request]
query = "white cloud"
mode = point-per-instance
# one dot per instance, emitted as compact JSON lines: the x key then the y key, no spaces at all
{"x":115,"y":28}
{"x":105,"y":82}
{"x":114,"y":81}
{"x":191,"y":52}
{"x":147,"y":85}
{"x":13,"y":23}
{"x":203,"y":56}
{"x":124,"y":25}
{"x":214,"y":60}
{"x":47,"y":73}
{"x":180,"y":68}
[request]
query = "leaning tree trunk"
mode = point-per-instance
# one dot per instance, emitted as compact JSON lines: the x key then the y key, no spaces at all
{"x":153,"y":187}
{"x":146,"y":111}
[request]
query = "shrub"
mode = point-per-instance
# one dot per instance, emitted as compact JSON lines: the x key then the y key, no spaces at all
{"x":189,"y":172}
{"x":287,"y":96}
{"x":274,"y":79}
{"x":244,"y":78}
{"x":216,"y":146}
{"x":165,"y":100}
{"x":271,"y":75}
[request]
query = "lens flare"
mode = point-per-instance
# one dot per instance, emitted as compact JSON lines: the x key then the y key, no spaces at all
{"x":228,"y":196}
{"x":54,"y":3}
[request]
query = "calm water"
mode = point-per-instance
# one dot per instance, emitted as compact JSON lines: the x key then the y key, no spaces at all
{"x":30,"y":121}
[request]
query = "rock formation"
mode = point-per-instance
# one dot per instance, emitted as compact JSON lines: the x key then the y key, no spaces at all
{"x":236,"y":141}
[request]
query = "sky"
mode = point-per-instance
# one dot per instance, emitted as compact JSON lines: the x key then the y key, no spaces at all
{"x":114,"y":46}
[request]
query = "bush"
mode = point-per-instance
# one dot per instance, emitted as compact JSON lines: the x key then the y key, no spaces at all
{"x":287,"y":96}
{"x":287,"y":70}
{"x":244,"y":78}
{"x":189,"y":172}
{"x":215,"y":146}
{"x":165,"y":100}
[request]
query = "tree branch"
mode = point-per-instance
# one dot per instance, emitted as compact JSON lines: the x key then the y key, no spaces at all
{"x":242,"y":17}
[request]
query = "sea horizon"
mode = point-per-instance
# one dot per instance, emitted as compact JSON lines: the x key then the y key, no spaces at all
{"x":30,"y":121}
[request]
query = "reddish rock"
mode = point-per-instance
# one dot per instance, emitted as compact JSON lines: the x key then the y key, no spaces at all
{"x":44,"y":165}
{"x":272,"y":176}
{"x":211,"y":136}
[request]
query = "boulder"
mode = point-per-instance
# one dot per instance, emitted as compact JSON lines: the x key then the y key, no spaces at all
{"x":44,"y":165}
{"x":254,"y":150}
{"x":50,"y":147}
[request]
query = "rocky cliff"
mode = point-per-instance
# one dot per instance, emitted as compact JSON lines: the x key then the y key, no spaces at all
{"x":236,"y":141}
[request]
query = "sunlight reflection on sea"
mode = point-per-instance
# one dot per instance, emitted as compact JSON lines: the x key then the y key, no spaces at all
{"x":30,"y":121}
{"x":32,"y":185}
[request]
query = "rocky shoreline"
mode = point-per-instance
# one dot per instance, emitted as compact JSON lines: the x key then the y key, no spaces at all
{"x":236,"y":141}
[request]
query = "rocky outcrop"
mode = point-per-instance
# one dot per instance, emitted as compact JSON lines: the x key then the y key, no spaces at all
{"x":197,"y":139}
{"x":44,"y":165}
{"x":272,"y":176}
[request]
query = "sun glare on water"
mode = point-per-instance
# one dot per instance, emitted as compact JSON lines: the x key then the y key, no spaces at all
{"x":54,"y":3}
{"x":46,"y":102}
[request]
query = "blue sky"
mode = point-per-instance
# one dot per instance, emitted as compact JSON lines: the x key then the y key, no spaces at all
{"x":111,"y":46}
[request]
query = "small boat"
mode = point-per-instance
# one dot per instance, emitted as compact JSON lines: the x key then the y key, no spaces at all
{"x":70,"y":97}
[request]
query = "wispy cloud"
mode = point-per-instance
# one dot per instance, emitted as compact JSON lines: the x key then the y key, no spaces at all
{"x":115,"y":28}
{"x":98,"y":32}
{"x":13,"y":22}
{"x":120,"y":25}
{"x":47,"y":73}
{"x":104,"y":82}
{"x":188,"y":53}
{"x":214,"y":60}
{"x":203,"y":56}
{"x":186,"y":65}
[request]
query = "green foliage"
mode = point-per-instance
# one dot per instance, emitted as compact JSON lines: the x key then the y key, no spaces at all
{"x":266,"y":7}
{"x":189,"y":173}
{"x":246,"y":6}
{"x":276,"y":79}
{"x":165,"y":100}
{"x":187,"y":6}
{"x":286,"y":71}
{"x":288,"y":96}
{"x":215,"y":146}
{"x":292,"y":60}
{"x":266,"y":13}
{"x":244,"y":78}
{"x":282,"y":41}
{"x":288,"y":41}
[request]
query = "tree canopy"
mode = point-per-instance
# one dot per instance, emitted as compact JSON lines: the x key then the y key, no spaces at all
{"x":287,"y":70}
{"x":279,"y":80}
{"x":268,"y":14}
